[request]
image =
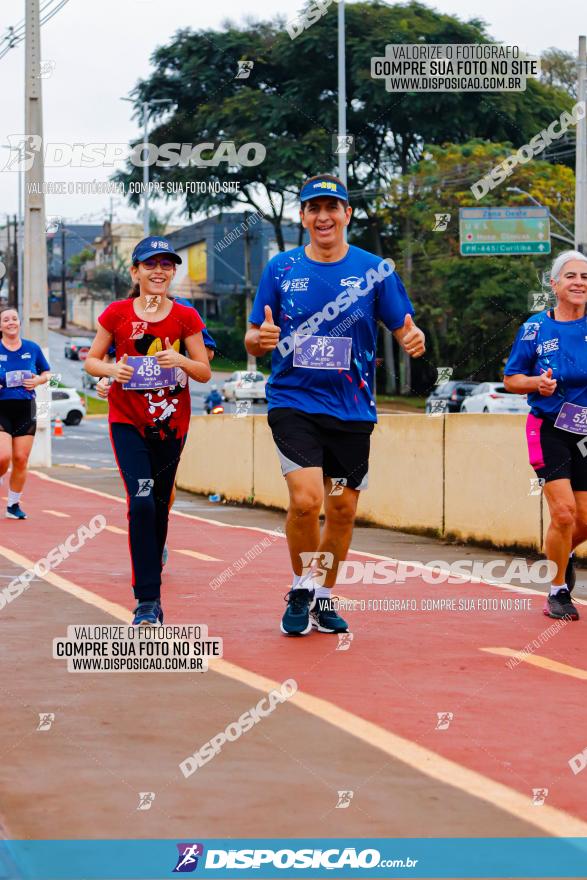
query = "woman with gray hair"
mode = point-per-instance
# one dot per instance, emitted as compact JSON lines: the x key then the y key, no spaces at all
{"x":548,"y":362}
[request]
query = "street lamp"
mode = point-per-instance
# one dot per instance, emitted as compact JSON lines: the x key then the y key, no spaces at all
{"x":146,"y":107}
{"x":516,"y":189}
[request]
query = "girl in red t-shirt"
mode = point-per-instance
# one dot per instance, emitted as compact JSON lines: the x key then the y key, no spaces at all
{"x":150,"y":405}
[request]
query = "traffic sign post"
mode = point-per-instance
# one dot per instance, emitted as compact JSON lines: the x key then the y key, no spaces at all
{"x":504,"y":231}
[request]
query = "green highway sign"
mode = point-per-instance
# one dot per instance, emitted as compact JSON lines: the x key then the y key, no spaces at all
{"x":493,"y":231}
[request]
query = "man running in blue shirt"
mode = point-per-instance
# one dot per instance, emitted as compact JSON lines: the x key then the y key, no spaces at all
{"x":317,"y":309}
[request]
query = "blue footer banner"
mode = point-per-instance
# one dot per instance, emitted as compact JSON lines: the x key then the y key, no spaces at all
{"x":276,"y":858}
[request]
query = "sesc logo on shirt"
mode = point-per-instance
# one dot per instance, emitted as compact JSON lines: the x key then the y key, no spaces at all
{"x":550,"y":345}
{"x":351,"y":281}
{"x":295,"y":285}
{"x":299,"y":284}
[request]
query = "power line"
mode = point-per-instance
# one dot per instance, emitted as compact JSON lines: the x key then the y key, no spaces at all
{"x":54,"y":12}
{"x":21,"y":24}
{"x":16,"y":34}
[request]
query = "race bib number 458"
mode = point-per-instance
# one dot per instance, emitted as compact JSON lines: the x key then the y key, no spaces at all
{"x":148,"y":374}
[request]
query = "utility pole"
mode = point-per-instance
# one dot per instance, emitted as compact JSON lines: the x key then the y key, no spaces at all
{"x":14,"y":300}
{"x":17,"y":302}
{"x":146,"y":105}
{"x":35,"y":246}
{"x":146,"y":217}
{"x":341,"y":95}
{"x":581,"y":154}
{"x":251,"y":360}
{"x":63,"y":290}
{"x":342,"y":170}
{"x":20,"y":240}
{"x":111,"y":241}
{"x":10,"y":264}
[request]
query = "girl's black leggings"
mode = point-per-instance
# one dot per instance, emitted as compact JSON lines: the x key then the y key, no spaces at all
{"x":148,"y":466}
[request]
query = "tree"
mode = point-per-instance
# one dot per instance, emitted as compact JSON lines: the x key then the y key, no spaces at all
{"x":158,"y":223}
{"x":559,"y":68}
{"x":77,"y":261}
{"x":470,"y":307}
{"x":289,"y":105}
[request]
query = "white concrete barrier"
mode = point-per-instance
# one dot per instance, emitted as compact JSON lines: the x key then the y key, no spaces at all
{"x":463,"y":475}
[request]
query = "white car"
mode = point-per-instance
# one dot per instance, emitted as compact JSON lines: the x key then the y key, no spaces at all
{"x":245,"y":385}
{"x":67,"y":405}
{"x":492,"y":397}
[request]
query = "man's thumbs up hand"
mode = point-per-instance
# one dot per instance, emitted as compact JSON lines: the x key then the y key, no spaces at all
{"x":269,"y":332}
{"x":411,"y":338}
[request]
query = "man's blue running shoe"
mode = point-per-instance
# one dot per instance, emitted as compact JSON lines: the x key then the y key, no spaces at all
{"x":296,"y":620}
{"x":165,"y":556}
{"x":15,"y":512}
{"x":148,"y":614}
{"x":325,"y":618}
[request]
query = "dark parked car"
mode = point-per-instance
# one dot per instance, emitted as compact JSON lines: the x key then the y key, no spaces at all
{"x":77,"y":348}
{"x":449,"y":396}
{"x":88,"y":381}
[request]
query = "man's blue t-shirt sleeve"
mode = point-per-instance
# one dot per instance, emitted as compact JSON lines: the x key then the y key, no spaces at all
{"x":393,"y":302}
{"x":523,"y":354}
{"x":266,"y":295}
{"x":41,"y":362}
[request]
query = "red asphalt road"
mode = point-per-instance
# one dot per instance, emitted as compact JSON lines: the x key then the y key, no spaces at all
{"x":517,"y":726}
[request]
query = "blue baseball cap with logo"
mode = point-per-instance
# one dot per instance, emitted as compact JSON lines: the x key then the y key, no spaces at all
{"x":323,"y":186}
{"x":151,"y":246}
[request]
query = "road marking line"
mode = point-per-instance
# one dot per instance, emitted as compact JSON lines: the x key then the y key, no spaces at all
{"x":197,"y":555}
{"x":541,"y":662}
{"x":116,"y":530}
{"x":512,"y":588}
{"x":57,"y":513}
{"x":548,"y":819}
{"x":69,"y":587}
{"x":418,"y":757}
{"x":204,"y":519}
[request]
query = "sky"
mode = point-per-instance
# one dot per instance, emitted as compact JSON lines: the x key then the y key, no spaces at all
{"x":100,"y":50}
